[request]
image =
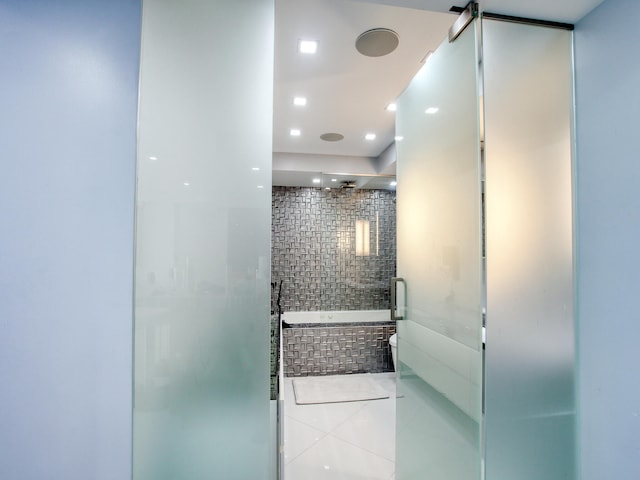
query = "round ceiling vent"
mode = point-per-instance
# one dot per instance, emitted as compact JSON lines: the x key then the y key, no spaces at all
{"x":331,"y":137}
{"x":377,"y":42}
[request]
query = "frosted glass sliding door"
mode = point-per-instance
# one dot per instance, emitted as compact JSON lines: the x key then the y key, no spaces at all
{"x":530,"y":408}
{"x":439,"y":408}
{"x":201,"y":380}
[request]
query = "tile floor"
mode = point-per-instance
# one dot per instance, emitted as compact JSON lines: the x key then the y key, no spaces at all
{"x":340,"y":441}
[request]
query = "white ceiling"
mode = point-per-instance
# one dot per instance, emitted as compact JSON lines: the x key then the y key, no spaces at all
{"x":347,"y":92}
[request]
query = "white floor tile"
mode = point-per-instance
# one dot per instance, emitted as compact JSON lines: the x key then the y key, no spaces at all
{"x":298,"y":438}
{"x":334,"y":459}
{"x":386,"y":381}
{"x":372,"y":428}
{"x":324,"y":416}
{"x":340,"y":441}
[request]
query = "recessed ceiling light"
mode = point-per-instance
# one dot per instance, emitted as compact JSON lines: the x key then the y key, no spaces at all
{"x":392,"y":107}
{"x":431,"y":110}
{"x":153,"y":158}
{"x":393,"y":184}
{"x":399,"y":138}
{"x":260,"y":186}
{"x":316,"y":180}
{"x":186,"y":184}
{"x":300,"y":101}
{"x":256,"y":169}
{"x":370,"y":136}
{"x":307,"y":46}
{"x":295,"y":132}
{"x":334,"y":179}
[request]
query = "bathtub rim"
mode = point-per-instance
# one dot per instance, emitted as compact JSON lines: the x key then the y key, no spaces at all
{"x":335,"y":317}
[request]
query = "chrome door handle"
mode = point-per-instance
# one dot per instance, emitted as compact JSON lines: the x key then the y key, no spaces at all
{"x":394,"y":299}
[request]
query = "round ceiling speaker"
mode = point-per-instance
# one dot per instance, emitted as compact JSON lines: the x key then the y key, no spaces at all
{"x":331,"y":137}
{"x":377,"y":42}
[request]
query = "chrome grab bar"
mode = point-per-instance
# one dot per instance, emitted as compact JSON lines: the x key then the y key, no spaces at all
{"x":394,"y":300}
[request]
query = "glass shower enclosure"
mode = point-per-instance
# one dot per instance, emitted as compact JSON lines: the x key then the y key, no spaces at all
{"x":486,"y":347}
{"x":201,"y":374}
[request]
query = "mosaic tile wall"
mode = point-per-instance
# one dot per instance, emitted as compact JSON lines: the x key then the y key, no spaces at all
{"x":332,"y":350}
{"x":314,"y":248}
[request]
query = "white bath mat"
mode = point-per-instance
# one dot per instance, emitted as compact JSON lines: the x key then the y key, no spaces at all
{"x":337,"y":388}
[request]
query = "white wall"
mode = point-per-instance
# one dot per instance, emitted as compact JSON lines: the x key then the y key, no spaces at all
{"x":68,"y":96}
{"x":302,"y":162}
{"x":608,"y":233}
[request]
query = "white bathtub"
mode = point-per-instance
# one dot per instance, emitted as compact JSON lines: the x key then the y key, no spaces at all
{"x":346,"y":316}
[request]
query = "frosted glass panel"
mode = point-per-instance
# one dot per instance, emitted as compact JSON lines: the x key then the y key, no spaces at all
{"x":439,"y":256}
{"x":201,"y":407}
{"x":530,"y":409}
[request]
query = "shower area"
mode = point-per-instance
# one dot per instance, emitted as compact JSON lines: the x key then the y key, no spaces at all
{"x":333,"y":253}
{"x":333,"y":225}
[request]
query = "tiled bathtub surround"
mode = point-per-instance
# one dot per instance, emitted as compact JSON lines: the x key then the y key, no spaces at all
{"x":314,"y":251}
{"x":331,"y":350}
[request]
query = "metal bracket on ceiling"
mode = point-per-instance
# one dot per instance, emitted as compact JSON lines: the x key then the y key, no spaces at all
{"x":512,"y":19}
{"x":527,"y":21}
{"x":467,"y":14}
